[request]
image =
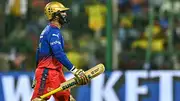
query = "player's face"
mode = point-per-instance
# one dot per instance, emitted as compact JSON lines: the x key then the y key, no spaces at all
{"x":63,"y":17}
{"x":63,"y":13}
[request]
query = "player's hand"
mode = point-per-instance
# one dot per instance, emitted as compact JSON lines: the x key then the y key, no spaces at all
{"x":72,"y":98}
{"x":38,"y":99}
{"x":33,"y":84}
{"x":81,"y":77}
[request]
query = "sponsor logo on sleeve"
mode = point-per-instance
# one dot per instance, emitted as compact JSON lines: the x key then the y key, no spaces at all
{"x":55,"y":42}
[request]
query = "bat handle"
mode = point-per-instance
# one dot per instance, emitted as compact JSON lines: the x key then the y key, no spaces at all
{"x":50,"y":93}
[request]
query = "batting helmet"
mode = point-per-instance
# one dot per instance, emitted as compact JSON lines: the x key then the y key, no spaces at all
{"x":53,"y":9}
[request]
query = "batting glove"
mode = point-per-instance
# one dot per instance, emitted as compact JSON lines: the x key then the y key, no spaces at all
{"x":80,"y":75}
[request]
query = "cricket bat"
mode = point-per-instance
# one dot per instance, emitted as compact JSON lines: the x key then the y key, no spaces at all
{"x":91,"y":73}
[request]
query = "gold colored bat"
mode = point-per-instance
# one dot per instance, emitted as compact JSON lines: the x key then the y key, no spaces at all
{"x":91,"y":73}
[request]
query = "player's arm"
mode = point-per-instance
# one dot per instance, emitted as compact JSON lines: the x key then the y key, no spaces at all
{"x":55,"y":43}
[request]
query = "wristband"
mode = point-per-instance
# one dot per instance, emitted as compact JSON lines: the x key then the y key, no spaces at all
{"x":74,"y":70}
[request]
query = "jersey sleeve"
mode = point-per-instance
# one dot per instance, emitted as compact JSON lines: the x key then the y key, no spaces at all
{"x":58,"y":51}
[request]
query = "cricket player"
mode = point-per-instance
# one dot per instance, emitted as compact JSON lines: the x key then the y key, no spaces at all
{"x":51,"y":57}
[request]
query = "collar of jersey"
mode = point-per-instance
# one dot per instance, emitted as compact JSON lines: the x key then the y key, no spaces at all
{"x":53,"y":25}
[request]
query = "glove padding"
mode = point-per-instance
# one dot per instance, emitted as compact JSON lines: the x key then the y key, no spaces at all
{"x":81,"y":77}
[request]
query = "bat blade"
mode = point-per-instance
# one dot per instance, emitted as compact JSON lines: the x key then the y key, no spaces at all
{"x":91,"y":73}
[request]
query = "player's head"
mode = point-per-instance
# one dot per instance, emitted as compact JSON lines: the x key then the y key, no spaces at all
{"x":56,"y":10}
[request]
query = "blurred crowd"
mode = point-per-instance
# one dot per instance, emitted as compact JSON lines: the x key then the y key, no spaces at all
{"x":85,"y":36}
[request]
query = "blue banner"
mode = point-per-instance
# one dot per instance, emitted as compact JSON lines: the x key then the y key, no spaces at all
{"x":113,"y":86}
